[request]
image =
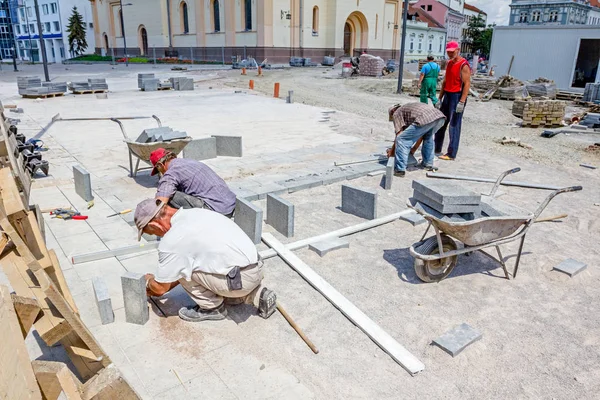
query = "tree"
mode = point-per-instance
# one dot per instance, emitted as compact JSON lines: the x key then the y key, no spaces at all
{"x":480,"y":35}
{"x":76,"y":29}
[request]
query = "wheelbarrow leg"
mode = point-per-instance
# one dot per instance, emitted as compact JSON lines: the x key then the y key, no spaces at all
{"x":137,"y":166}
{"x":130,"y":165}
{"x":501,"y":259}
{"x":518,"y":257}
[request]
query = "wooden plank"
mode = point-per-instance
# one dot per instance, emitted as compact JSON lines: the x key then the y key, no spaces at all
{"x":68,"y":314}
{"x":10,"y":198}
{"x":108,"y":384}
{"x":27,"y":310}
{"x":57,"y":333}
{"x":17,"y":380}
{"x":56,"y":274}
{"x":387,"y":343}
{"x":3,"y":241}
{"x":55,"y":378}
{"x":32,"y":236}
{"x":85,"y":353}
{"x":22,"y":178}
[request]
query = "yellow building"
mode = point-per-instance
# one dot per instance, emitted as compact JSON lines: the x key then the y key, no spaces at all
{"x":213,"y":30}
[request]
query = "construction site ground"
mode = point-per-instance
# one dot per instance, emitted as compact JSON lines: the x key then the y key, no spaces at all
{"x":541,"y":333}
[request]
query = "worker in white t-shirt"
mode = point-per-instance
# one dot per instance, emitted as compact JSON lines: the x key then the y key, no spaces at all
{"x":209,"y":255}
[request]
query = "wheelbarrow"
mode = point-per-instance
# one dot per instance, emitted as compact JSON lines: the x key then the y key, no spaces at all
{"x":142,"y":151}
{"x":436,"y":256}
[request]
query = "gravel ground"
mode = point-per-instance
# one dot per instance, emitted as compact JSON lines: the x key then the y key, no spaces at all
{"x":484,"y":124}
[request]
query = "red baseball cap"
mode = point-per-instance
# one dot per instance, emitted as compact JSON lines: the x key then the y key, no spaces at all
{"x":451,"y":46}
{"x":155,"y":157}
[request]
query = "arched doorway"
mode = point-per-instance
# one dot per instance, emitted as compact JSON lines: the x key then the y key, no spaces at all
{"x":106,"y":46}
{"x":356,"y":33}
{"x":143,"y":40}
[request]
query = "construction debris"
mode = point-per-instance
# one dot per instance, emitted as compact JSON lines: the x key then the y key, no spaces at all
{"x":515,"y":141}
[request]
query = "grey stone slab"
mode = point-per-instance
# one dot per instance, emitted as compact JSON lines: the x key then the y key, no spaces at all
{"x":134,"y":298}
{"x":229,"y":146}
{"x":103,"y":301}
{"x":447,"y":208}
{"x":201,"y":149}
{"x":280,"y":215}
{"x":362,"y":203}
{"x":83,"y":183}
{"x":333,"y":176}
{"x":168,"y":136}
{"x":249,"y":218}
{"x":186,"y":84}
{"x":269,"y":188}
{"x":571,"y":267}
{"x":376,"y":173}
{"x":245,"y":193}
{"x":389,"y":173}
{"x":414,"y":218}
{"x":446,"y":192}
{"x":456,"y":340}
{"x":150,"y":85}
{"x":305,"y":182}
{"x":325,"y":246}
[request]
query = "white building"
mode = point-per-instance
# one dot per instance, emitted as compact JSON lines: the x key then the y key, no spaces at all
{"x":54,"y":17}
{"x":423,"y":40}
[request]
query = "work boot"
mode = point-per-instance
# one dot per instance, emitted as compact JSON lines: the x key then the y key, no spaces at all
{"x":399,"y":174}
{"x":429,"y":168}
{"x":197,"y":314}
{"x":267,"y":303}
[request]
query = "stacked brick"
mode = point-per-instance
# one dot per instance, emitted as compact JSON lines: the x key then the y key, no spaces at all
{"x":519,"y":106}
{"x":543,"y":113}
{"x":371,"y":65}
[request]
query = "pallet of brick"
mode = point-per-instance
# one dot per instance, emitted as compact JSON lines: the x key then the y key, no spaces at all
{"x":142,"y":78}
{"x":545,"y":113}
{"x":371,"y":65}
{"x":519,"y":106}
{"x":446,"y":197}
{"x":541,"y":87}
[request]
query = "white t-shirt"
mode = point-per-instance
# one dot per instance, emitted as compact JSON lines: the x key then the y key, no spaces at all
{"x":202,"y":240}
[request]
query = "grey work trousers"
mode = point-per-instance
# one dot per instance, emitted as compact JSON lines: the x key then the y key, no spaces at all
{"x":185,"y":201}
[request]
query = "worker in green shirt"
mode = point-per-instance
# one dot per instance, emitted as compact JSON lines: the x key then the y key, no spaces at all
{"x":428,"y":81}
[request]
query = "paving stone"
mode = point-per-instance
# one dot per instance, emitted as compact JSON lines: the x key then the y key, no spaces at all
{"x":201,"y":149}
{"x":249,"y":218}
{"x":456,"y":340}
{"x":229,"y":146}
{"x":447,"y":208}
{"x":83,"y":183}
{"x":302,"y":183}
{"x":245,"y":193}
{"x":389,"y":173}
{"x":103,"y":302}
{"x":446,"y":192}
{"x":376,"y":173}
{"x":414,"y":218}
{"x":333,"y":176}
{"x":280,"y":215}
{"x":571,"y":267}
{"x":168,"y":136}
{"x":362,"y":203}
{"x":134,"y":298}
{"x":325,"y":246}
{"x":268,"y":188}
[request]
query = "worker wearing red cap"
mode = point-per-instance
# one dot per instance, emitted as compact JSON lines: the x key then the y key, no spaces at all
{"x":186,"y":183}
{"x":452,"y":101}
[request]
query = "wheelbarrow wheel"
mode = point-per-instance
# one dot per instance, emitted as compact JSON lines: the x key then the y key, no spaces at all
{"x":435,"y":271}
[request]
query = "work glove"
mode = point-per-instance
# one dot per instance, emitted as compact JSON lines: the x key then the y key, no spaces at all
{"x":438,"y":105}
{"x":460,"y":107}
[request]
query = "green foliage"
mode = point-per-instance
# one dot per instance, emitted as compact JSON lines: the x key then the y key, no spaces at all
{"x":480,"y":35}
{"x":76,"y":29}
{"x":92,"y":57}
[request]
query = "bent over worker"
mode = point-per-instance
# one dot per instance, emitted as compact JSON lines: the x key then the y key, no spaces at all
{"x":208,"y":255}
{"x":412,"y":122}
{"x":428,"y":81}
{"x":190,"y":184}
{"x":453,"y":99}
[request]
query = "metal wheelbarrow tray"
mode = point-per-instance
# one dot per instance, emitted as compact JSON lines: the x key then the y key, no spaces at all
{"x":499,"y":223}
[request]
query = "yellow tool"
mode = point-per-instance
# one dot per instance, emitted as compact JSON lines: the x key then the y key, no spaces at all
{"x":120,"y":213}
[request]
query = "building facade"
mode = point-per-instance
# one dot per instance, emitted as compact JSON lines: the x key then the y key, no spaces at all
{"x":424,"y":36}
{"x":54,"y":18}
{"x":216,"y":30}
{"x":7,"y":37}
{"x":470,"y":12}
{"x":554,"y":12}
{"x":444,"y":15}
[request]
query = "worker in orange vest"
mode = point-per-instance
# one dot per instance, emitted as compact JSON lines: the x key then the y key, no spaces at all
{"x":452,"y":100}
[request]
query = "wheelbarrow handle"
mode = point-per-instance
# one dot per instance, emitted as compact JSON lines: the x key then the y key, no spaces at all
{"x":552,"y":195}
{"x":501,"y":178}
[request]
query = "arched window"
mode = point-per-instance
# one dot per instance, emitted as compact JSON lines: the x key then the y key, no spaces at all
{"x":412,"y":42}
{"x":185,"y":22}
{"x":315,"y":22}
{"x":247,"y":14}
{"x":106,"y":46}
{"x":216,"y":16}
{"x":143,"y":40}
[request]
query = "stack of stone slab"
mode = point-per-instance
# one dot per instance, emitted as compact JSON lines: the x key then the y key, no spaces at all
{"x":591,"y":120}
{"x":97,"y":84}
{"x":162,"y":134}
{"x":371,"y":65}
{"x":541,"y":87}
{"x":142,"y":78}
{"x":447,"y":198}
{"x":328,"y":61}
{"x":544,"y":113}
{"x":181,"y":83}
{"x":591,"y":93}
{"x":92,"y":84}
{"x":33,"y":86}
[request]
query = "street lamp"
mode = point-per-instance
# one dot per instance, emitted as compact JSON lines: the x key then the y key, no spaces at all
{"x":402,"y":47}
{"x":123,"y":29}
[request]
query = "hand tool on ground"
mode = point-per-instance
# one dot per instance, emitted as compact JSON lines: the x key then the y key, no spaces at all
{"x":120,"y":213}
{"x":297,"y":329}
{"x":68,"y":214}
{"x":51,"y":210}
{"x":554,"y":218}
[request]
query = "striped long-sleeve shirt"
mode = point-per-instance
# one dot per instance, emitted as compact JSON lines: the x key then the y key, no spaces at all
{"x":415,"y":113}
